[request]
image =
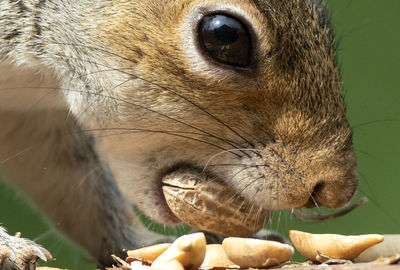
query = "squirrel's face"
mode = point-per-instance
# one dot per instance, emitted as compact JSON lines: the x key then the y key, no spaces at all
{"x":246,"y":92}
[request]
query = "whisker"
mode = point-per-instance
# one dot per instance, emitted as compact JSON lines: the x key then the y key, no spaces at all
{"x":364,"y":179}
{"x":313,"y":199}
{"x":15,"y":155}
{"x":54,"y":89}
{"x":246,"y":217}
{"x":263,"y":192}
{"x":258,"y":215}
{"x":173,"y":92}
{"x":375,"y":122}
{"x":240,"y":165}
{"x":249,"y":184}
{"x":94,"y":102}
{"x":366,"y":154}
{"x":304,"y":186}
{"x":269,"y":217}
{"x":229,"y":150}
{"x":132,"y":131}
{"x":85,"y":177}
{"x":278,"y":222}
{"x":226,"y":165}
{"x":233,"y":186}
{"x":41,"y":236}
{"x":176,"y":120}
{"x":164,"y":88}
{"x":381,"y":208}
{"x":101,"y":71}
{"x":145,"y":108}
{"x":91,"y":48}
{"x":309,"y":193}
{"x":236,"y":174}
{"x":237,"y":194}
{"x":39,"y":100}
{"x":277,"y":194}
{"x":122,"y":83}
{"x":314,"y":218}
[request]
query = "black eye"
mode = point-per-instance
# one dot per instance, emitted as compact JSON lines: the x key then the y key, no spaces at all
{"x":225,"y":39}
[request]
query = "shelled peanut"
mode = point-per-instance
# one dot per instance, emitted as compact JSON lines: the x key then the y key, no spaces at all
{"x":190,"y":252}
{"x":334,"y":246}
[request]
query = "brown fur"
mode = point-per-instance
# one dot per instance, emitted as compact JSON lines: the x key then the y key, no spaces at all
{"x":135,"y":80}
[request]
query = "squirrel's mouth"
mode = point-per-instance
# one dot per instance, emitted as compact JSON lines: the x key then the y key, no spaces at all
{"x":190,"y":197}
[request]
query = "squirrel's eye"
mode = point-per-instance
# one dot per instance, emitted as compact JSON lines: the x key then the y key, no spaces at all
{"x":225,"y":39}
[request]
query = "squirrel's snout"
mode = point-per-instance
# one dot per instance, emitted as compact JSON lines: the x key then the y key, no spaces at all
{"x":304,"y":178}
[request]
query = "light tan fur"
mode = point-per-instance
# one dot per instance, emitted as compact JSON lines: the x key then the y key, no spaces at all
{"x":125,"y":93}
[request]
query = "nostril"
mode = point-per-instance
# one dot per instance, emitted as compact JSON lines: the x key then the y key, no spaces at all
{"x":312,"y":200}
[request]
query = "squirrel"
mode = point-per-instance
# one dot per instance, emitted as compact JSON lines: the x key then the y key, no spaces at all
{"x":99,"y":100}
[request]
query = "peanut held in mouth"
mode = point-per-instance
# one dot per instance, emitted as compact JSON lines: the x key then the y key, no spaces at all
{"x":334,"y":246}
{"x":209,"y":205}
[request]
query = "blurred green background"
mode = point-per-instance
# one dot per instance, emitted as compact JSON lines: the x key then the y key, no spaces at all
{"x":369,"y":55}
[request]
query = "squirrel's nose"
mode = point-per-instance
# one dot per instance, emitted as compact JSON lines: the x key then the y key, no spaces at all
{"x":330,"y":194}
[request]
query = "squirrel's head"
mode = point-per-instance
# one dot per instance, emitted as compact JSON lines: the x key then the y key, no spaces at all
{"x":246,"y":92}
